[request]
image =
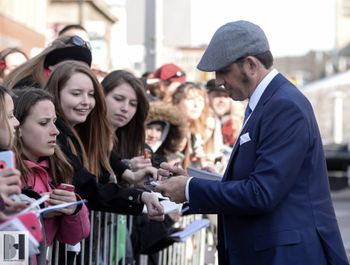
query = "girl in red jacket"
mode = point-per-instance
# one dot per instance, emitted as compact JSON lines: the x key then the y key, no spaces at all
{"x":44,"y":167}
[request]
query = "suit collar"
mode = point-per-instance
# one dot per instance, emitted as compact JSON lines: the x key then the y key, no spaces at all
{"x":275,"y":84}
{"x":272,"y":87}
{"x":259,"y":90}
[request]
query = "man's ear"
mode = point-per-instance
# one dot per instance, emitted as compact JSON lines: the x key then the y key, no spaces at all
{"x":252,"y":64}
{"x":252,"y":61}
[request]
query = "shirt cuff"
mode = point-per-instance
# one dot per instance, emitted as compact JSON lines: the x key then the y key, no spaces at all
{"x":187,"y":192}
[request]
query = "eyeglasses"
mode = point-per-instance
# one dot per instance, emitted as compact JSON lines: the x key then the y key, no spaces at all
{"x":77,"y":41}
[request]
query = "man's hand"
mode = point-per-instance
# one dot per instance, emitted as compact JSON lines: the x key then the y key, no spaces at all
{"x":154,"y":209}
{"x":173,"y":188}
{"x":173,"y":183}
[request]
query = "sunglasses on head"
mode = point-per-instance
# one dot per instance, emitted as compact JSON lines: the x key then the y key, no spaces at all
{"x":77,"y":41}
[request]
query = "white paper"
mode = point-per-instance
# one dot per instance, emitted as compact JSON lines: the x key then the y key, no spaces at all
{"x":35,"y":204}
{"x":203,"y":174}
{"x":168,"y":205}
{"x":59,"y":206}
{"x":192,"y":228}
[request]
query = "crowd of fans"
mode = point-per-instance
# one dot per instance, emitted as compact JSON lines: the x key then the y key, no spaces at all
{"x":105,"y":134}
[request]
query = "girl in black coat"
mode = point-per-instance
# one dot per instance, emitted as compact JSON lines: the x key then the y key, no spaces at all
{"x":85,"y":138}
{"x":127,"y":109}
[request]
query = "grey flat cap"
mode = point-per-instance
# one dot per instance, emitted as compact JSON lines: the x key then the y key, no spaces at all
{"x":231,"y":42}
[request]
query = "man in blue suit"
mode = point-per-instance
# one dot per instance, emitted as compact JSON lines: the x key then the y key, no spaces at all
{"x":273,"y":203}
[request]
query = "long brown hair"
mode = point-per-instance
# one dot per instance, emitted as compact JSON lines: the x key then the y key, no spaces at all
{"x":182,"y":91}
{"x":59,"y":167}
{"x":4,"y":115}
{"x":131,"y":137}
{"x":196,"y":126}
{"x":95,"y":133}
{"x":34,"y":68}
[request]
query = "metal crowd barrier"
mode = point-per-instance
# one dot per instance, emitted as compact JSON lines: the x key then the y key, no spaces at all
{"x":107,"y":240}
{"x":191,"y":252}
{"x":104,"y":246}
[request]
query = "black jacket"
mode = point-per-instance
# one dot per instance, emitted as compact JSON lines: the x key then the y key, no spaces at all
{"x":149,"y":237}
{"x":101,"y":195}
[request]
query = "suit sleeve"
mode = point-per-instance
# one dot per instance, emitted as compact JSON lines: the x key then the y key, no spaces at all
{"x":284,"y":140}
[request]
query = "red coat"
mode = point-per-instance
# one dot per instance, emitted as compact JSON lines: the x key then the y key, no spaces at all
{"x":69,"y":229}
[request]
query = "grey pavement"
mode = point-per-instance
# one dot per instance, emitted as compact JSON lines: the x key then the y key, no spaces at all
{"x":341,"y":202}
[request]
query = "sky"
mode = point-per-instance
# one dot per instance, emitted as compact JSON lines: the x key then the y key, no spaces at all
{"x":293,"y":27}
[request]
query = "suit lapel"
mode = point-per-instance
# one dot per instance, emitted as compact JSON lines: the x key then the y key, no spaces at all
{"x":276,"y":82}
{"x":234,"y":151}
{"x":229,"y":164}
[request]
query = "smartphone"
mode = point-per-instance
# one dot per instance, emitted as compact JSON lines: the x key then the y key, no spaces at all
{"x":65,"y":186}
{"x":7,"y":160}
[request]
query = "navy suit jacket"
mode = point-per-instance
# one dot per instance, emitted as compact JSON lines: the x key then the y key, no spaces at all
{"x":273,"y":204}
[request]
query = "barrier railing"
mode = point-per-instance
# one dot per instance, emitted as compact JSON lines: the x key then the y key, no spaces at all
{"x":106,"y":244}
{"x":191,"y":252}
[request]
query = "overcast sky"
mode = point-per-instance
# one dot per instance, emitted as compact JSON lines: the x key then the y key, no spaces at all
{"x":293,"y":27}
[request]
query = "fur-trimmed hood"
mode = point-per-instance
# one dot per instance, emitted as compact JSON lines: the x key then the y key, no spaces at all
{"x":160,"y":111}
